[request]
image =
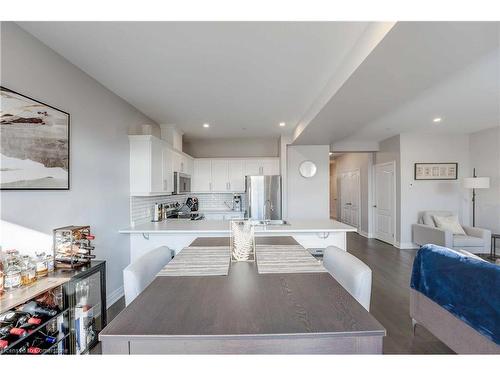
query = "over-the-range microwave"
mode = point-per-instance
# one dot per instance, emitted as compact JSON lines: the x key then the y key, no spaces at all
{"x":182,"y":183}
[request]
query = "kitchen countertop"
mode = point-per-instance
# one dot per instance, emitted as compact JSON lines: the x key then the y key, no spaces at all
{"x":218,"y":211}
{"x":176,"y":226}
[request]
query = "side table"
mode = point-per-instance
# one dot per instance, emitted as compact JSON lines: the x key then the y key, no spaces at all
{"x":493,"y":250}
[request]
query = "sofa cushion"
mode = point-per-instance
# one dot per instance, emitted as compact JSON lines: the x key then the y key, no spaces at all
{"x":449,"y":223}
{"x":427,"y":217}
{"x":467,"y":241}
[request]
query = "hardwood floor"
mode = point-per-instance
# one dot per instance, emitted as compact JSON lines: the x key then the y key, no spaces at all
{"x":390,"y":302}
{"x":391,"y":269}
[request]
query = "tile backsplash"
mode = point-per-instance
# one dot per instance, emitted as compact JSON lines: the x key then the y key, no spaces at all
{"x":209,"y":201}
{"x":141,"y":208}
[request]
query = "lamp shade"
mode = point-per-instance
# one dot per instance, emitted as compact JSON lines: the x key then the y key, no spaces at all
{"x":476,"y":182}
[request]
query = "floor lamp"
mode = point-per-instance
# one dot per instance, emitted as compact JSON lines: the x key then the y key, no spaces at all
{"x":474,"y":183}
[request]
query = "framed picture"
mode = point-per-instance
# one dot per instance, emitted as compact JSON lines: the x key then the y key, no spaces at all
{"x":436,"y":171}
{"x":34,"y":146}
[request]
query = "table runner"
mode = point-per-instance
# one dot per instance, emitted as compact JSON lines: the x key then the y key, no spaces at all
{"x":286,"y":259}
{"x":199,"y":261}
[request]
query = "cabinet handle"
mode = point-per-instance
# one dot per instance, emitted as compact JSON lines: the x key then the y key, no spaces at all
{"x":210,"y":186}
{"x":229,"y":185}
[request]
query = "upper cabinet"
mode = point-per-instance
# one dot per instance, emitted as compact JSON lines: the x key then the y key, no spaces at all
{"x":236,"y":175}
{"x":265,"y":166}
{"x":202,"y":176}
{"x":228,"y":175}
{"x":152,"y":165}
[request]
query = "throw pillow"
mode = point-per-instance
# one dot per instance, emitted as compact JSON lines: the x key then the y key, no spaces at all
{"x":449,"y":223}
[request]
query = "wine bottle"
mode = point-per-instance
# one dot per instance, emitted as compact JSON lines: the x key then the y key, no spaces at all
{"x":35,"y":309}
{"x":11,"y":330}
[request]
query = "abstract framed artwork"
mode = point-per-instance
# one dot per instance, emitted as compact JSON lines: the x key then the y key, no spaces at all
{"x":34,"y":144}
{"x":436,"y":171}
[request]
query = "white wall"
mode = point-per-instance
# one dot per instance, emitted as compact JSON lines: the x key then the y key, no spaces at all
{"x":485,"y":157}
{"x":419,"y":196}
{"x":231,"y":147}
{"x":99,"y":157}
{"x":308,"y":198}
{"x":362,"y":162}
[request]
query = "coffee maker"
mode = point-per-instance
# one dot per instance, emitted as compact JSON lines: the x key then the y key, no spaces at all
{"x":237,"y":206}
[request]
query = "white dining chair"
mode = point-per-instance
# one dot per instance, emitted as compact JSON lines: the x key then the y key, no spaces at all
{"x":140,"y":273}
{"x":354,"y":275}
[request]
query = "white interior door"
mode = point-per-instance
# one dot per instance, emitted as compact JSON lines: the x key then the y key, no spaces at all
{"x":384,"y":207}
{"x":350,"y":197}
{"x":355,"y":198}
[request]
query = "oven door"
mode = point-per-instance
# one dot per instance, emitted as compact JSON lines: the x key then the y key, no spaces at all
{"x":182,"y":183}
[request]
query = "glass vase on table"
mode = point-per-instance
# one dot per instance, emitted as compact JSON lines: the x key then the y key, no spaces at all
{"x":242,"y":242}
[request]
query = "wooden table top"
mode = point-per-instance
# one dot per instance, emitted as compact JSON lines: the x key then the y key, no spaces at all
{"x":244,"y":303}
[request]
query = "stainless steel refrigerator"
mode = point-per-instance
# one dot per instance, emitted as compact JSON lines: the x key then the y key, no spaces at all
{"x":264,"y":197}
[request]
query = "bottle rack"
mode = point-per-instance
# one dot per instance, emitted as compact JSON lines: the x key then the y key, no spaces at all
{"x":72,"y":246}
{"x":61,"y":319}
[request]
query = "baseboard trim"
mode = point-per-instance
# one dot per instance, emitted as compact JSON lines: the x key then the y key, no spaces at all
{"x":366,"y":234}
{"x":406,"y":245}
{"x":114,"y":296}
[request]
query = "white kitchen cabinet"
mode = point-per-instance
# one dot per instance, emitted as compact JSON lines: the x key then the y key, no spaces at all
{"x":271,"y":166}
{"x":168,"y":172}
{"x":265,"y":166}
{"x":253,"y":167}
{"x":202,"y":176}
{"x":236,"y":175}
{"x":147,"y":170}
{"x":182,"y":163}
{"x":228,"y":175}
{"x":220,"y":178}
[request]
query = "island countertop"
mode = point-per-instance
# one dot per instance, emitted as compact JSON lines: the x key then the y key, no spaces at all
{"x":174,"y":226}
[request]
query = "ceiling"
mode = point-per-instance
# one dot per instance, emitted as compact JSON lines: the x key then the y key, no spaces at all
{"x":243,"y":78}
{"x":419,"y":71}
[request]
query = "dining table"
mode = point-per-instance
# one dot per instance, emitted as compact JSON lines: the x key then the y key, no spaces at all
{"x":244,"y":312}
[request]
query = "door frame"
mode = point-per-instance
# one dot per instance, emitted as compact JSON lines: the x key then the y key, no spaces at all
{"x":358,"y":170}
{"x":374,"y":200}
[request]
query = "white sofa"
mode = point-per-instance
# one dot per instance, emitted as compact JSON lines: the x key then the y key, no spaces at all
{"x":351,"y":273}
{"x":476,"y":240}
{"x":139,"y":274}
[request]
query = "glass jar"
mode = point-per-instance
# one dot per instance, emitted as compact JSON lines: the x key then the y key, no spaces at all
{"x":41,"y":265}
{"x":12,"y":278}
{"x":50,"y":263}
{"x":28,"y":271}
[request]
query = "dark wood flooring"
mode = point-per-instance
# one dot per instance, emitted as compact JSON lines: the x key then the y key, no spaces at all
{"x":390,"y":302}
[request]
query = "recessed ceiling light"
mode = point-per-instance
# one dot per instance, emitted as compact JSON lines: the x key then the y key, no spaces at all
{"x":330,"y":153}
{"x":437,"y":119}
{"x":282,"y":124}
{"x":206,"y":125}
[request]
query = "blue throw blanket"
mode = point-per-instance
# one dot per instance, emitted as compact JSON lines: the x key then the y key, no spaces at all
{"x":468,"y":288}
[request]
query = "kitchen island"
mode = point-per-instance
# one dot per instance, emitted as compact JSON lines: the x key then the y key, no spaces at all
{"x":244,"y":312}
{"x":179,"y":233}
